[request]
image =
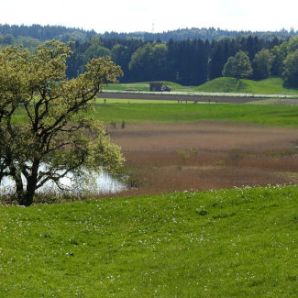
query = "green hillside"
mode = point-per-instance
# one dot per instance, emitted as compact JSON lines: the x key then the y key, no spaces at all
{"x":141,"y":86}
{"x":229,"y":243}
{"x":144,"y":86}
{"x":219,"y":85}
{"x":268,"y":86}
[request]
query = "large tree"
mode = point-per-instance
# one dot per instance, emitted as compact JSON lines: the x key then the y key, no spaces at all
{"x":262,"y":64}
{"x":149,"y":62}
{"x":45,"y":132}
{"x":290,"y":73}
{"x":238,"y":66}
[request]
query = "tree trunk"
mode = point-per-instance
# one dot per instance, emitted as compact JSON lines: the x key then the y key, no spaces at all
{"x":17,"y":177}
{"x":28,"y":195}
{"x":19,"y":188}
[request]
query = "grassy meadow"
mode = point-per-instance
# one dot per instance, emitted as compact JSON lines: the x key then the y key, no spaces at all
{"x":267,"y":86}
{"x":266,"y":112}
{"x":228,"y":243}
{"x":239,"y":242}
{"x":142,"y":111}
{"x":219,"y":85}
{"x":144,"y":86}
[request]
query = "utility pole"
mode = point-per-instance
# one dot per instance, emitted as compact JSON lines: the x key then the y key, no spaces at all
{"x":153,"y":30}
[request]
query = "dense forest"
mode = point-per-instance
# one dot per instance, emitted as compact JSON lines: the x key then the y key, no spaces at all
{"x":186,"y":56}
{"x":43,"y":33}
{"x":199,"y":33}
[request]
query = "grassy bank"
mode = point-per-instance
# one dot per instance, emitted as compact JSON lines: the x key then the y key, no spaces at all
{"x":219,"y":85}
{"x":279,"y":115}
{"x":268,"y":86}
{"x":230,"y":243}
{"x":144,"y":86}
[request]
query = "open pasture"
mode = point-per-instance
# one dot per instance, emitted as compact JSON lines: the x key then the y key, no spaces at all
{"x":229,"y":243}
{"x":137,"y":111}
{"x":273,"y":85}
{"x":237,"y":242}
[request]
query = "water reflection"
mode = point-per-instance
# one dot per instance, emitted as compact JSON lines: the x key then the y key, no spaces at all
{"x":92,"y":183}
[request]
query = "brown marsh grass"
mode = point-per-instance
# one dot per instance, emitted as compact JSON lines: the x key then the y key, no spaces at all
{"x":206,"y":155}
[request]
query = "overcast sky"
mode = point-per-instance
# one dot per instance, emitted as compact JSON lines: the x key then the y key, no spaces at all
{"x":140,"y":15}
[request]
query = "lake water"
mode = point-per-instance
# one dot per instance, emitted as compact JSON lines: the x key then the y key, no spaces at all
{"x":92,"y":183}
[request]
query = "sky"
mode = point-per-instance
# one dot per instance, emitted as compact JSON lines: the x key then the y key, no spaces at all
{"x":153,"y":15}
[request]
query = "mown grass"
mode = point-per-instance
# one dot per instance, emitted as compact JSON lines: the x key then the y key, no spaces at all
{"x":277,"y":115}
{"x":219,"y":85}
{"x":141,"y":86}
{"x":229,"y":243}
{"x":144,"y":86}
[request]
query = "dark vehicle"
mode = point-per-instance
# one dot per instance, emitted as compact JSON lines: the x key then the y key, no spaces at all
{"x":159,"y":86}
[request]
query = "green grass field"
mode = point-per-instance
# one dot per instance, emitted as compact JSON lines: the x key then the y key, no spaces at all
{"x":131,"y":111}
{"x":268,"y":86}
{"x":117,"y":110}
{"x":219,"y":85}
{"x":229,"y":243}
{"x":143,"y":86}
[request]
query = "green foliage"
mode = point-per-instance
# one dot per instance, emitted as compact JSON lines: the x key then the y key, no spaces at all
{"x":95,"y":50}
{"x":121,"y":55}
{"x":229,"y":68}
{"x":55,"y":130}
{"x":291,"y":70}
{"x":62,"y":33}
{"x":6,"y":39}
{"x":238,"y":66}
{"x":229,"y":243}
{"x":292,"y":44}
{"x":190,"y":60}
{"x":280,"y":54}
{"x":262,"y":64}
{"x":267,"y":86}
{"x":149,"y":61}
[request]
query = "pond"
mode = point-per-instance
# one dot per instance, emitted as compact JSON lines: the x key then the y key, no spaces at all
{"x":92,"y":183}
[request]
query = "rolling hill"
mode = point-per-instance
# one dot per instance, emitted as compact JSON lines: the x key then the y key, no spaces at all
{"x":219,"y":85}
{"x":229,"y":243}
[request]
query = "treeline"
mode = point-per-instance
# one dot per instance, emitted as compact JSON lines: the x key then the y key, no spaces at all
{"x":42,"y":33}
{"x":281,"y":60}
{"x":185,"y":61}
{"x":209,"y":34}
{"x":193,"y":62}
{"x":188,"y":62}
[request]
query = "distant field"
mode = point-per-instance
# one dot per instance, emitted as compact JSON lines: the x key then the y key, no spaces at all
{"x":229,"y":243}
{"x":142,"y":111}
{"x":219,"y":85}
{"x":267,"y":112}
